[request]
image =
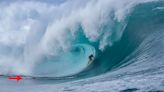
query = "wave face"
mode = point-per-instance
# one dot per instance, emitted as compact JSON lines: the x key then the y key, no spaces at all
{"x":44,"y":39}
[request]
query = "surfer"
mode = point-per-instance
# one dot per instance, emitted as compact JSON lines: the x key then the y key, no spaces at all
{"x":91,"y":58}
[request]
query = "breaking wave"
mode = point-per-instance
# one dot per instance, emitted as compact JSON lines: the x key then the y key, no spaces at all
{"x":40,"y":39}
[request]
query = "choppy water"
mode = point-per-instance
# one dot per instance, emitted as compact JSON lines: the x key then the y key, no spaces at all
{"x":53,"y":41}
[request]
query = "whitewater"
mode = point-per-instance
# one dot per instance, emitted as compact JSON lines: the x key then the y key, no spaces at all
{"x":50,"y":42}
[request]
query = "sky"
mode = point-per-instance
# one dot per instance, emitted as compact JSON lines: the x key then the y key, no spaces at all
{"x":46,"y":1}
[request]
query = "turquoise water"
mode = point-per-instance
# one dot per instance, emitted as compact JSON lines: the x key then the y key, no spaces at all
{"x":58,"y":47}
{"x":143,"y":21}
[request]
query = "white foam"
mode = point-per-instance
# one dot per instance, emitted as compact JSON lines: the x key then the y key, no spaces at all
{"x":31,"y":29}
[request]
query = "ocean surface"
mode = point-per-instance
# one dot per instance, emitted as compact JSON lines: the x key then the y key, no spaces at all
{"x":50,"y":44}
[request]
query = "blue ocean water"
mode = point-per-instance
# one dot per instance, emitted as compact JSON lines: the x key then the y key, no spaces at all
{"x":50,"y":43}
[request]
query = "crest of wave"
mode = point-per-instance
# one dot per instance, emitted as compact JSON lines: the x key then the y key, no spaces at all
{"x":32,"y":29}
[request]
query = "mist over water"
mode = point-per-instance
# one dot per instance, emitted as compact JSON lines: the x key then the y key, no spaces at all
{"x":38,"y":37}
{"x":44,"y":39}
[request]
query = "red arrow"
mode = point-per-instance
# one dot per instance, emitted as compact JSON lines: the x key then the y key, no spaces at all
{"x":17,"y":78}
